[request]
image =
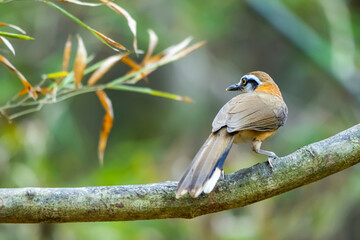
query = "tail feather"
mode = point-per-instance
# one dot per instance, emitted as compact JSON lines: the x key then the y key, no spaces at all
{"x":205,"y":169}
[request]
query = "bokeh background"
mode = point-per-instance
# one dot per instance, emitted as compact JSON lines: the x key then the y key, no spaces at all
{"x":310,"y":48}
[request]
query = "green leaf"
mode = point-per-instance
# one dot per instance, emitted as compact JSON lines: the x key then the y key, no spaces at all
{"x":14,"y":35}
{"x":150,"y":92}
{"x":104,"y":39}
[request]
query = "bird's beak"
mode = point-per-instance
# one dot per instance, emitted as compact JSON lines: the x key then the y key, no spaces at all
{"x":234,"y":87}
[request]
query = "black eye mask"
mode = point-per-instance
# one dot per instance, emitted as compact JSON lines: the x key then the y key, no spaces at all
{"x":251,"y":85}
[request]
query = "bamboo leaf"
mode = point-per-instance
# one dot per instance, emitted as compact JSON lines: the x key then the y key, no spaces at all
{"x":111,"y":43}
{"x":56,"y":75}
{"x":177,"y":47}
{"x":8,"y":44}
{"x":106,"y":40}
{"x":81,"y":3}
{"x":67,"y":52}
{"x":13,"y":27}
{"x":150,"y":91}
{"x":170,"y":54}
{"x":14,"y":35}
{"x":30,"y":90}
{"x":183,"y":52}
{"x":80,"y":62}
{"x":131,"y":21}
{"x":153,"y":40}
{"x":105,"y":67}
{"x":106,"y":125}
{"x":131,"y":63}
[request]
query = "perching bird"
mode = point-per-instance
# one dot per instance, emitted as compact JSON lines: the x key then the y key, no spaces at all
{"x":253,"y":116}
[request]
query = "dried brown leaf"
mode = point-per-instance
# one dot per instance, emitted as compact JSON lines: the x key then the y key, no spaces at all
{"x":13,"y":27}
{"x":113,"y":43}
{"x":155,"y":58}
{"x":22,"y":92}
{"x":30,"y":90}
{"x":81,"y":3}
{"x":135,"y":67}
{"x":80,"y":62}
{"x":8,"y":44}
{"x":128,"y":61}
{"x":104,"y":68}
{"x":172,"y":53}
{"x":131,"y":21}
{"x":153,"y":40}
{"x":169,"y":53}
{"x":138,"y":77}
{"x":44,"y":90}
{"x":107,"y":123}
{"x":67,"y":52}
{"x":38,"y":90}
{"x":184,"y":52}
{"x":172,"y":50}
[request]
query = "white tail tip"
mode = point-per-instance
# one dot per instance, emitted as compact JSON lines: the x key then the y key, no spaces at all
{"x":210,"y":184}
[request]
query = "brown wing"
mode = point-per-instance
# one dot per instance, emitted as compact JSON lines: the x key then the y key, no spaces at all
{"x":252,"y":111}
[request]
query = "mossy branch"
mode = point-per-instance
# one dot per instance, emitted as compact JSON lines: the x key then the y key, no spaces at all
{"x":155,"y":201}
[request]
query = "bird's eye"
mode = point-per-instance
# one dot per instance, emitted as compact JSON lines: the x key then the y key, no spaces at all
{"x":243,"y":81}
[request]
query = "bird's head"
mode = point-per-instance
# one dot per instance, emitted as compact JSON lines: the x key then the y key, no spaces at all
{"x":252,"y":81}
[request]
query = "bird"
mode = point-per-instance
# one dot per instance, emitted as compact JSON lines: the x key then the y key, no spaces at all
{"x":252,"y":116}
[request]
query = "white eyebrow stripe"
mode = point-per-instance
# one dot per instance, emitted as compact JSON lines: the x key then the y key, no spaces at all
{"x":253,"y":77}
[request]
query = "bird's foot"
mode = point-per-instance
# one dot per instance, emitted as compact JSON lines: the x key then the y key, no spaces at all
{"x":272,"y":156}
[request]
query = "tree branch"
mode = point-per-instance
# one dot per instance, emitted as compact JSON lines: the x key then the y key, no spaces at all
{"x":155,"y":201}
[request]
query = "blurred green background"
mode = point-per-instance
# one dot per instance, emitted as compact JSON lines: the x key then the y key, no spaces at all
{"x":310,"y":48}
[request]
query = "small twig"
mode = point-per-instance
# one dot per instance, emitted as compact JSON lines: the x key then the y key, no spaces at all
{"x":22,"y":113}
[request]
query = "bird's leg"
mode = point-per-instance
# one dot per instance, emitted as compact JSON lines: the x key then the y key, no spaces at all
{"x":222,"y":176}
{"x":271,"y":156}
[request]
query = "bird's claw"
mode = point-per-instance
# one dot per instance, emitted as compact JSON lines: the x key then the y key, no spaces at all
{"x":272,"y":157}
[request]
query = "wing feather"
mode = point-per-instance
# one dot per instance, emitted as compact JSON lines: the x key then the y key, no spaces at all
{"x":251,"y":111}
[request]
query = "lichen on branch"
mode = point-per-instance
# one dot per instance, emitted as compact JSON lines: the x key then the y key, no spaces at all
{"x":157,"y":201}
